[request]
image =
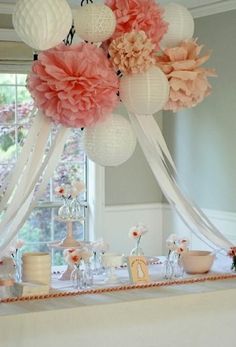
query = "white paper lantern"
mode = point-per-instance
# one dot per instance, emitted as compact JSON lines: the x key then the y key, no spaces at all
{"x":94,"y":23}
{"x":42,"y":24}
{"x":181,"y":25}
{"x":110,"y":143}
{"x":145,"y":93}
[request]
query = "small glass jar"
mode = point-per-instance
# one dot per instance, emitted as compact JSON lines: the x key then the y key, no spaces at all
{"x":76,"y":277}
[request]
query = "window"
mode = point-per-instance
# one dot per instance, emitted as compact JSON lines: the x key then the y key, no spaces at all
{"x":15,"y":120}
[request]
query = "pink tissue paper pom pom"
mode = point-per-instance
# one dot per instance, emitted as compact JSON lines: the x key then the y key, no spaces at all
{"x":145,"y":15}
{"x":188,"y":80}
{"x":74,"y":85}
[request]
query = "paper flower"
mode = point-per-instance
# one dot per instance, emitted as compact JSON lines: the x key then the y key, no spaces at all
{"x":77,"y":187}
{"x":137,"y":231}
{"x":74,"y":85}
{"x":188,"y":80}
{"x":100,"y":246}
{"x":132,"y":52}
{"x":177,"y":244}
{"x":73,"y":257}
{"x":138,"y":15}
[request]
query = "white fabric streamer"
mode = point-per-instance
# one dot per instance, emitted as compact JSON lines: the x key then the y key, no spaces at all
{"x":155,"y":150}
{"x":38,"y":165}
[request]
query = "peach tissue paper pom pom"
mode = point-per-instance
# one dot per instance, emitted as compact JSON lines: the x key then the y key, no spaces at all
{"x":188,"y":80}
{"x":132,"y":52}
{"x":74,"y":85}
{"x":145,"y":15}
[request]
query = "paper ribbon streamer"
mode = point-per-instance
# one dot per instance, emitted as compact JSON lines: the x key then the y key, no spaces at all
{"x":159,"y":159}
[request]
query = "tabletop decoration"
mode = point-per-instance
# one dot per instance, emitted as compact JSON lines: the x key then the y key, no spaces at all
{"x":136,"y":233}
{"x":79,"y":260}
{"x":99,"y":247}
{"x":73,"y":258}
{"x":176,"y":246}
{"x":188,"y":80}
{"x":232,"y":254}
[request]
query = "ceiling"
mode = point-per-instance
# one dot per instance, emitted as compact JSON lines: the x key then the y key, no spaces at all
{"x":187,"y":3}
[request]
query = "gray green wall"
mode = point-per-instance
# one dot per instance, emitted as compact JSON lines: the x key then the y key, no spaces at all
{"x":203,"y":139}
{"x":132,"y":182}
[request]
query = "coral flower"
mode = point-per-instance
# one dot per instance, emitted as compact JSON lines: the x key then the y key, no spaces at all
{"x":188,"y":80}
{"x":74,"y":85}
{"x":138,"y":15}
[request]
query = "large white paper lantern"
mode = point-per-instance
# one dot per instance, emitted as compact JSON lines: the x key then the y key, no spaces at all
{"x":42,"y":24}
{"x":181,"y":25}
{"x":145,"y":93}
{"x":94,"y":22}
{"x":110,"y":143}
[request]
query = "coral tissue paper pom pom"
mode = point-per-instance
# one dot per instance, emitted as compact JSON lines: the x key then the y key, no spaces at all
{"x":110,"y":143}
{"x":74,"y":85}
{"x":138,"y":15}
{"x":181,"y":25}
{"x":94,"y":23}
{"x":42,"y":24}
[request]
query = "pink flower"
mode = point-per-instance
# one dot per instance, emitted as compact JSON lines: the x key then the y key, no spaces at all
{"x":132,"y":52}
{"x":139,"y":15}
{"x":74,"y":85}
{"x":188,"y":80}
{"x":60,"y":191}
{"x":73,"y":257}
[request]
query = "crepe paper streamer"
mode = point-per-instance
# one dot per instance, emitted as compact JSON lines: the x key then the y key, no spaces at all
{"x":42,"y":24}
{"x":180,"y":25}
{"x":110,"y":143}
{"x":8,"y":232}
{"x":191,"y":215}
{"x":145,"y":93}
{"x":94,"y":22}
{"x":10,"y":181}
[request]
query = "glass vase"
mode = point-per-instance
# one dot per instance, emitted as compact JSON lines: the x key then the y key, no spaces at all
{"x":137,"y":250}
{"x":64,"y":210}
{"x":88,"y":275}
{"x":77,"y":278}
{"x":75,"y":209}
{"x":168,"y":269}
{"x":178,"y":266}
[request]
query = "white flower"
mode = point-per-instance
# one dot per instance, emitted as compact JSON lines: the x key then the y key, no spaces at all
{"x":137,"y":231}
{"x":100,"y":246}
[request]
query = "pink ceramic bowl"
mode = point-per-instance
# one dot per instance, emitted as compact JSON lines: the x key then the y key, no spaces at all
{"x":197,"y":262}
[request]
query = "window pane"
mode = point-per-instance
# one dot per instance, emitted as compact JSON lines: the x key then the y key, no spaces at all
{"x":21,"y":79}
{"x":6,"y":78}
{"x":7,"y":104}
{"x":24,"y":104}
{"x":7,"y":145}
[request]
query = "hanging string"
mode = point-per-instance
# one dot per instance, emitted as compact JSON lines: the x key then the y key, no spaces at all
{"x":87,"y":2}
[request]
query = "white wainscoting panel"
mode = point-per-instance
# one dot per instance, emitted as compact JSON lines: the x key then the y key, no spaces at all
{"x":117,"y":220}
{"x":161,"y":220}
{"x":223,"y":220}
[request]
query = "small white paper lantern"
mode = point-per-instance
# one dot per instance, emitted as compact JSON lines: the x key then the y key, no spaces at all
{"x":94,"y":23}
{"x":110,"y":143}
{"x":42,"y":24}
{"x":145,"y":93}
{"x":181,"y":25}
